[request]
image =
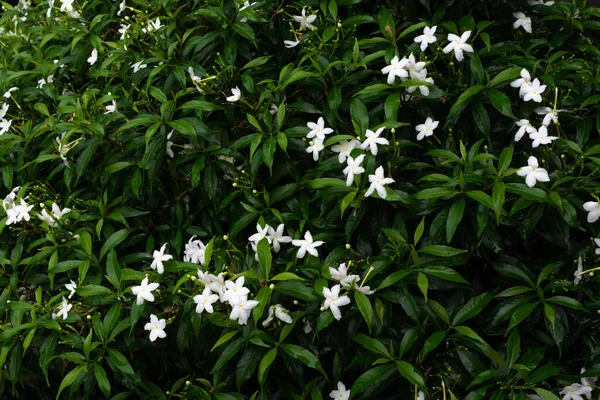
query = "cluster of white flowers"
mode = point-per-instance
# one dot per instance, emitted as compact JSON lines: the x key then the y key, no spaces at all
{"x":333,"y":300}
{"x":348,"y":281}
{"x":528,"y":89}
{"x":405,"y":69}
{"x":16,"y":208}
{"x":57,"y":214}
{"x":234,"y":293}
{"x":276,"y":236}
{"x":4,"y":122}
{"x":194,"y":251}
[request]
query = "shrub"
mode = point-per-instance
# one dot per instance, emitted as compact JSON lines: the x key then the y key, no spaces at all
{"x":217,"y":200}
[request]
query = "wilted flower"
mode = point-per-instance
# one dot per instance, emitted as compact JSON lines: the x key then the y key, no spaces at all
{"x":7,"y":94}
{"x":160,"y":256}
{"x":533,"y":173}
{"x":279,"y":312}
{"x":305,"y":22}
{"x":522,"y":21}
{"x":307,"y":245}
{"x":372,"y":139}
{"x":291,"y":43}
{"x":427,"y":37}
{"x":144,"y":291}
{"x":426,"y":129}
{"x":378,"y":180}
{"x":236,"y":95}
{"x":156,"y":328}
{"x":458,"y":45}
{"x":333,"y":300}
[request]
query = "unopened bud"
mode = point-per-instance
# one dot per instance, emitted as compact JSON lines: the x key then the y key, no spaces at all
{"x":89,"y":317}
{"x":272,"y":286}
{"x":393,"y":130}
{"x":348,"y":246}
{"x":188,"y":383}
{"x":254,"y":191}
{"x":193,"y":278}
{"x":322,"y":308}
{"x":295,"y":302}
{"x":234,"y":184}
{"x":311,"y":143}
{"x":225,"y":237}
{"x":76,"y":237}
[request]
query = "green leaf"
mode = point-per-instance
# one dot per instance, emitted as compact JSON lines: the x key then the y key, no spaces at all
{"x":264,"y":256}
{"x":230,"y":351}
{"x":432,"y":342}
{"x":441,"y":251}
{"x":307,"y":358}
{"x":200,"y":105}
{"x":120,"y":361}
{"x":69,"y":379}
{"x":472,"y":308}
{"x":286,"y":276}
{"x":445,"y":273}
{"x":371,"y":344}
{"x":468,"y":332}
{"x":504,"y":77}
{"x":370,"y":377}
{"x":114,"y":240}
{"x":298,"y":290}
{"x":567,"y":302}
{"x":387,"y":24}
{"x":434,"y":193}
{"x":546,"y":395}
{"x":244,"y":30}
{"x":102,"y":380}
{"x":520,"y":314}
{"x":265,"y":363}
{"x":359,"y":115}
{"x":460,"y":104}
{"x":419,"y":231}
{"x":224,"y":339}
{"x":346,"y":201}
{"x":513,"y":348}
{"x":526,"y":192}
{"x":364,"y":305}
{"x":408,"y":371}
{"x":257,"y":62}
{"x":393,"y":278}
{"x":454,"y":217}
{"x":501,"y":102}
{"x":326,"y":182}
{"x":505,"y":159}
{"x":423,"y":284}
{"x":498,"y":199}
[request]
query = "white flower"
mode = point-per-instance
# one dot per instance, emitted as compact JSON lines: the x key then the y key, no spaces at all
{"x":63,"y":149}
{"x":395,"y":69}
{"x":72,"y":287}
{"x":7,"y":94}
{"x":540,"y":2}
{"x":524,"y":126}
{"x":333,"y":300}
{"x":353,"y":168}
{"x":144,"y":291}
{"x":341,"y":393}
{"x":427,"y":37}
{"x":169,"y":144}
{"x":205,"y":301}
{"x":50,"y":5}
{"x":541,"y":137}
{"x":156,"y":328}
{"x":18,"y":212}
{"x":372,"y":140}
{"x":121,"y":8}
{"x":236,"y":292}
{"x":278,"y":311}
{"x":241,"y":311}
{"x":533,"y":173}
{"x":423,"y":89}
{"x":593,"y":208}
{"x":344,"y":149}
{"x":278,"y":237}
{"x":57,"y":212}
{"x":47,"y":218}
{"x":315,"y":146}
{"x":318,"y":129}
{"x":123,"y":29}
{"x":421,"y":396}
{"x":194,"y":251}
{"x":111,"y":108}
{"x":459,"y":45}
{"x":305,"y":22}
{"x":550,"y":114}
{"x":43,"y":81}
{"x":377,"y":182}
{"x":579,"y":272}
{"x":522,"y":21}
{"x":236,"y":95}
{"x":574,"y":392}
{"x":93,"y":58}
{"x":339,"y":274}
{"x":139,"y":65}
{"x":66,"y":5}
{"x":153,"y":26}
{"x":4,"y":109}
{"x":261,"y":233}
{"x":415,"y":68}
{"x":4,"y":125}
{"x":64,"y":309}
{"x":534,"y":91}
{"x":307,"y":245}
{"x":160,"y":256}
{"x":291,"y":43}
{"x":426,"y":129}
{"x":273,"y":109}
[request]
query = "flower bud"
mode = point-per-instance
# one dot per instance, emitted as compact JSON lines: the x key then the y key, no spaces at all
{"x":89,"y":317}
{"x":254,"y":191}
{"x":339,"y":25}
{"x":234,"y":184}
{"x":322,"y":308}
{"x":295,"y":302}
{"x":193,"y":278}
{"x":188,"y":383}
{"x":272,"y":286}
{"x":225,"y":237}
{"x":348,"y":246}
{"x":311,"y":143}
{"x":76,"y":237}
{"x":393,"y":130}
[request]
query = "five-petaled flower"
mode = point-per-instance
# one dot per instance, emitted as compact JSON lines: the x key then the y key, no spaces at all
{"x":160,"y":256}
{"x":426,"y":129}
{"x":523,"y":83}
{"x":550,"y":114}
{"x":333,"y":301}
{"x":318,"y":130}
{"x":575,"y":392}
{"x":307,"y":245}
{"x":593,"y":209}
{"x":427,"y":37}
{"x":236,"y":94}
{"x":522,"y":21}
{"x":205,"y":301}
{"x":241,"y":311}
{"x":534,"y":91}
{"x":378,"y":180}
{"x":156,"y":328}
{"x":261,"y":233}
{"x":541,"y":137}
{"x":395,"y":69}
{"x":64,"y":309}
{"x":236,"y":293}
{"x":305,"y":21}
{"x":372,"y":139}
{"x":341,"y":393}
{"x":138,"y":65}
{"x":524,"y":127}
{"x":144,"y":291}
{"x":344,"y":149}
{"x":533,"y":173}
{"x":315,"y":146}
{"x":353,"y":168}
{"x":458,"y":45}
{"x":277,"y":237}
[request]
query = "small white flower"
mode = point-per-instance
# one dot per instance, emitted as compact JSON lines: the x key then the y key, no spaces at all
{"x":333,"y":300}
{"x":587,"y":381}
{"x":395,"y":69}
{"x":156,"y":328}
{"x":372,"y":139}
{"x":344,"y":149}
{"x":93,"y":57}
{"x":427,"y":37}
{"x":353,"y":168}
{"x":318,"y":130}
{"x":277,"y":237}
{"x":236,"y":95}
{"x":205,"y":301}
{"x":305,"y":22}
{"x":4,"y":125}
{"x":291,"y":43}
{"x":426,"y":129}
{"x":123,"y":29}
{"x":57,"y":212}
{"x":160,"y":256}
{"x":421,"y":396}
{"x":139,"y":65}
{"x":196,"y":80}
{"x":121,"y":8}
{"x":307,"y":245}
{"x":533,"y":173}
{"x":540,"y":2}
{"x":377,"y":182}
{"x":144,"y":291}
{"x":522,"y":21}
{"x":47,"y":218}
{"x":66,"y":6}
{"x":261,"y":233}
{"x":64,"y":309}
{"x":273,"y":109}
{"x":153,"y":26}
{"x":541,"y":137}
{"x":341,"y":393}
{"x":194,"y":251}
{"x":279,"y":312}
{"x":169,"y":144}
{"x":235,"y":292}
{"x":550,"y":114}
{"x":458,"y":45}
{"x":4,"y":109}
{"x":524,"y":126}
{"x":574,"y":392}
{"x":7,"y":94}
{"x":72,"y":287}
{"x":111,"y":108}
{"x":579,"y":272}
{"x":315,"y":146}
{"x":534,"y":91}
{"x":593,"y":208}
{"x":241,"y":312}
